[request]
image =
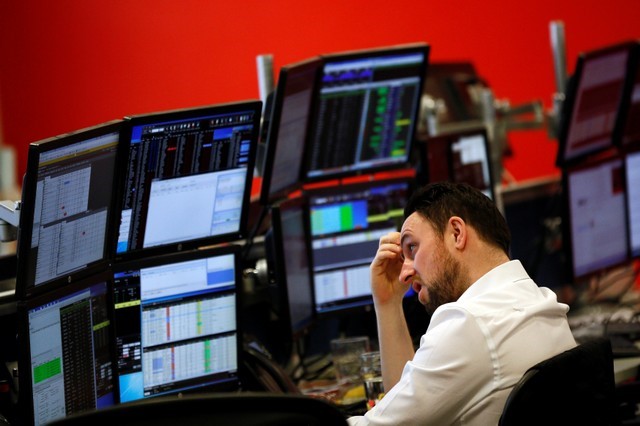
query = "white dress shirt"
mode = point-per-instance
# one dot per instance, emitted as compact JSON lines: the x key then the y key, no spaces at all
{"x":474,"y":351}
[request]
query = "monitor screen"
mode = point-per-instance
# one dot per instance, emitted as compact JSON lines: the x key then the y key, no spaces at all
{"x":176,"y":323}
{"x":67,"y":207}
{"x":595,"y":199}
{"x":66,"y":351}
{"x":462,"y":157}
{"x":632,"y":173}
{"x":290,"y":265}
{"x":346,"y":225}
{"x":188,"y":178}
{"x":594,"y":110}
{"x":287,"y":133}
{"x":365,"y":111}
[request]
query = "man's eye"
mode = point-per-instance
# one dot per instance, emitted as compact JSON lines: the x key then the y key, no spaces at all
{"x":409,"y":249}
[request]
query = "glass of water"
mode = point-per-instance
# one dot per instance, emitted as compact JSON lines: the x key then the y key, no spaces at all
{"x":371,"y":372}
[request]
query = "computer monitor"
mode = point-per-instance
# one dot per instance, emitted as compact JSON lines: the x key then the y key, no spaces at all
{"x":365,"y":111}
{"x":631,"y":133}
{"x":287,"y":132}
{"x":187,"y":178}
{"x":458,"y":157}
{"x":176,"y":323}
{"x":632,"y":177}
{"x":346,"y":223}
{"x":451,"y":84}
{"x":67,"y":208}
{"x":534,"y":211}
{"x":595,"y":104}
{"x":289,"y":264}
{"x":596,"y":225}
{"x":66,"y":351}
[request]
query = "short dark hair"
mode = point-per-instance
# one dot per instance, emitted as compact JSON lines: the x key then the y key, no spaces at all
{"x":437,"y":202}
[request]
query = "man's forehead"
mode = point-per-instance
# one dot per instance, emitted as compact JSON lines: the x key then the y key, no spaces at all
{"x":410,"y":224}
{"x":416,"y":224}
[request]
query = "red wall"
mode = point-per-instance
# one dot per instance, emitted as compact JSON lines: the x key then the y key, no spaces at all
{"x":69,"y":64}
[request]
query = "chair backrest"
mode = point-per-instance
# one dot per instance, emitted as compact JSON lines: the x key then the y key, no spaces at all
{"x":237,"y":409}
{"x":574,"y":387}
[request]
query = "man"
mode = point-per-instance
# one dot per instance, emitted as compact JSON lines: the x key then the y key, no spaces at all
{"x":490,"y":322}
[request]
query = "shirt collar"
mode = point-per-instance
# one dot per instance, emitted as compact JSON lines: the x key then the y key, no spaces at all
{"x":506,"y":273}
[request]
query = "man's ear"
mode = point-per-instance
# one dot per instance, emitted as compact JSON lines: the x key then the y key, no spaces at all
{"x":458,"y":229}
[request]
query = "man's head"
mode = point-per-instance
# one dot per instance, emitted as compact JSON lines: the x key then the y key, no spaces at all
{"x":437,"y":202}
{"x":441,"y":270}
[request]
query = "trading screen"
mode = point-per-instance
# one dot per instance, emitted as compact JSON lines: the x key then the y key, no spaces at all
{"x":176,"y":326}
{"x":192,"y":172}
{"x":365,"y":113}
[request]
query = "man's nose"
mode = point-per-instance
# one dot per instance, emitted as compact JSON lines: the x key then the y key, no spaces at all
{"x":407,"y":272}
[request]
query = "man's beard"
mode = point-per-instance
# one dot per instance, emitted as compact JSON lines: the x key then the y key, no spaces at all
{"x":447,"y":285}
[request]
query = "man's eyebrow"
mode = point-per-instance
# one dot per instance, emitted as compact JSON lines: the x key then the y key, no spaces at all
{"x":402,"y":238}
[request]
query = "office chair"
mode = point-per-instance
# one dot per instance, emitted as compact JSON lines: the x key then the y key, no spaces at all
{"x":238,"y":409}
{"x":575,"y":387}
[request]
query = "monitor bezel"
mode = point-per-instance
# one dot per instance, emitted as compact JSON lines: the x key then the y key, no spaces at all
{"x":268,"y":195}
{"x":450,"y":138}
{"x":25,"y":400}
{"x":361,"y":303}
{"x":379,"y":52}
{"x":185,"y":256}
{"x":130,"y":122}
{"x":562,"y":157}
{"x":25,"y":277}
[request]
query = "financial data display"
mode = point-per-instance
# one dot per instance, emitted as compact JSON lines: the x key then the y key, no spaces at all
{"x":365,"y":111}
{"x":176,"y":326}
{"x":67,"y":204}
{"x":70,"y":354}
{"x":346,"y":226}
{"x":188,"y":177}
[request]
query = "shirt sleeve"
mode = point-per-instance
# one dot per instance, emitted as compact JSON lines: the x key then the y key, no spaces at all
{"x":451,"y":371}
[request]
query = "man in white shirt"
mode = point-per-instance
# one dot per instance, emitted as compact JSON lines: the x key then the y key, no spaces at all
{"x":490,"y":322}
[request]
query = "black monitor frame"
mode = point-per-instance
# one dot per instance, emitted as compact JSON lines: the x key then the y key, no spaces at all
{"x":126,"y":248}
{"x":431,"y":146}
{"x":569,"y":155}
{"x":578,"y":271}
{"x":342,"y":306}
{"x":280,"y":176}
{"x":630,"y":138}
{"x":375,"y":55}
{"x":280,"y":274}
{"x":231,"y":383}
{"x":26,"y":284}
{"x":632,"y":201}
{"x":450,"y":83}
{"x":26,"y":407}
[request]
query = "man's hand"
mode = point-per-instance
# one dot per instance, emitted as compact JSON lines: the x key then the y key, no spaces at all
{"x":385,"y":271}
